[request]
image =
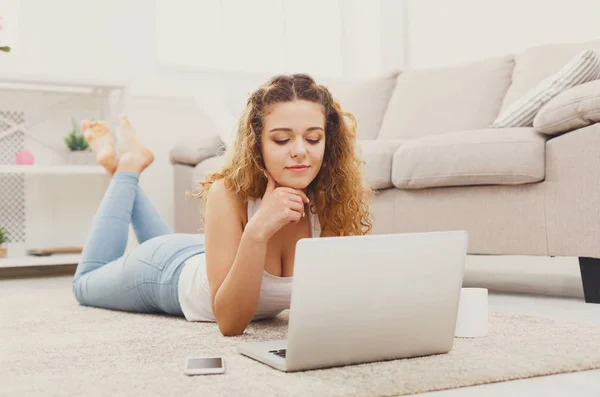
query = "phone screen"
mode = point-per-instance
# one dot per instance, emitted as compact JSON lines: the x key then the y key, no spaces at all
{"x":201,"y":363}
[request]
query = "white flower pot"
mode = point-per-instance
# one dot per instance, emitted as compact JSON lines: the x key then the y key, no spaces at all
{"x":81,"y":157}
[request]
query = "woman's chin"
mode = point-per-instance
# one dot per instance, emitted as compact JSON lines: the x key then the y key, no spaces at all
{"x":296,"y":184}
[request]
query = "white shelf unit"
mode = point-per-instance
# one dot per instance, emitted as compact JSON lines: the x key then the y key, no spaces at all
{"x":105,"y":90}
{"x":75,"y":88}
{"x":52,"y":169}
{"x":30,"y":260}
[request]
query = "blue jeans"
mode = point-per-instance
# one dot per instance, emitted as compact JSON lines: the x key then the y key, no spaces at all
{"x":145,"y":279}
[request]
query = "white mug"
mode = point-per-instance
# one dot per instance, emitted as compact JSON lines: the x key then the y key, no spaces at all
{"x":472,"y":317}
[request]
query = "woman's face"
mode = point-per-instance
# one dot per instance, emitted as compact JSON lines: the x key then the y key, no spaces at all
{"x":293,"y":142}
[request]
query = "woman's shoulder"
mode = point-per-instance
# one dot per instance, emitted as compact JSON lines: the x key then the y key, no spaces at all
{"x":220,"y":195}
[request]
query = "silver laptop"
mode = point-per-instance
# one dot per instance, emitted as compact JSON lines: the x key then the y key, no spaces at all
{"x":360,"y":299}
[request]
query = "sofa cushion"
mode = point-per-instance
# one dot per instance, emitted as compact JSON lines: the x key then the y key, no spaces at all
{"x":477,"y":157}
{"x":435,"y":101}
{"x":537,"y":63}
{"x":193,"y":151}
{"x":378,"y":158}
{"x":367,"y":100}
{"x":583,"y":67}
{"x":574,"y":108}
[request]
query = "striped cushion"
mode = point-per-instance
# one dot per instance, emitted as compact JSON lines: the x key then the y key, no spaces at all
{"x":582,"y":68}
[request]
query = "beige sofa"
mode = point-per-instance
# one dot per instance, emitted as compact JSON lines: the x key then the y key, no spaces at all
{"x":437,"y":165}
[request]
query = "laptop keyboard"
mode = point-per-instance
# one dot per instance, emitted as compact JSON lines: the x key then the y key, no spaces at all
{"x":280,"y":352}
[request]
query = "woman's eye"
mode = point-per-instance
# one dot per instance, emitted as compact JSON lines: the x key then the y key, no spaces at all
{"x":313,"y":141}
{"x":281,"y":142}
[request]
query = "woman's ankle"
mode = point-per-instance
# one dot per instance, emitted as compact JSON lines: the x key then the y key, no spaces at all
{"x":133,"y":162}
{"x":129,"y":163}
{"x":131,"y":168}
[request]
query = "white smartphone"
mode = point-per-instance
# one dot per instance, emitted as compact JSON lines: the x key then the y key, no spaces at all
{"x":204,"y":366}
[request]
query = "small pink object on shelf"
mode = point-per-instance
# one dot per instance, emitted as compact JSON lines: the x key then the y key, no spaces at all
{"x":24,"y":157}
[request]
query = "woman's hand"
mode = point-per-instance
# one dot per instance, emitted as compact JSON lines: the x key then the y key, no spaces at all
{"x":279,"y":207}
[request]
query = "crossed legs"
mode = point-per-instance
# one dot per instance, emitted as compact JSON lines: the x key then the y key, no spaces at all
{"x":106,"y":276}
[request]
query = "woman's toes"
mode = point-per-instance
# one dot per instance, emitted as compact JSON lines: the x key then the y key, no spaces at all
{"x":99,"y":136}
{"x":85,"y":124}
{"x":126,"y":130}
{"x":96,"y":130}
{"x":128,"y":143}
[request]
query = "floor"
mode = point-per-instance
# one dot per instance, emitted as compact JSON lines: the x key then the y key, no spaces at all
{"x":561,"y":308}
{"x":575,"y":384}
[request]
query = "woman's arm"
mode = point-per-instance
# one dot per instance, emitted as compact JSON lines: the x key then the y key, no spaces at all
{"x":235,"y":259}
{"x":235,"y":256}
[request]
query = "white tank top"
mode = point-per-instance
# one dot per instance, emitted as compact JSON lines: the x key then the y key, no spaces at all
{"x":275,"y":292}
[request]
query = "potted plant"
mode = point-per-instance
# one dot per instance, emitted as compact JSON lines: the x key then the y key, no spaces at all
{"x":3,"y":239}
{"x":79,"y":150}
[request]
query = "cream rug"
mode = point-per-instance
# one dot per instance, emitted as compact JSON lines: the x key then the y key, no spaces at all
{"x":49,"y":345}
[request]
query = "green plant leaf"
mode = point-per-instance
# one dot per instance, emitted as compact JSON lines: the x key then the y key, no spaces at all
{"x":75,"y":140}
{"x":3,"y":236}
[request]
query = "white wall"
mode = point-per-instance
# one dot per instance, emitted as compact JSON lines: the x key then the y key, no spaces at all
{"x":446,"y":32}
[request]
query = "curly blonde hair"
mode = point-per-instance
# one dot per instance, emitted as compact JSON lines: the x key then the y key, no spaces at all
{"x":340,"y":196}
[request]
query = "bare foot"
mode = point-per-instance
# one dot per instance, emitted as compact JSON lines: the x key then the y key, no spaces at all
{"x":133,"y":155}
{"x":101,"y":140}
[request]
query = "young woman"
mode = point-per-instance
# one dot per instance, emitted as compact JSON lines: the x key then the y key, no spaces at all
{"x":292,"y":173}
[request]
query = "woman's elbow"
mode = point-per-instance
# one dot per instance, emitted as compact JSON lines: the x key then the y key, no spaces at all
{"x":230,"y":329}
{"x":230,"y":323}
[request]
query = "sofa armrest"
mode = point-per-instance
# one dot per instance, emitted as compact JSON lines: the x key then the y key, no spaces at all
{"x":193,"y":151}
{"x":574,"y":108}
{"x":572,"y":193}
